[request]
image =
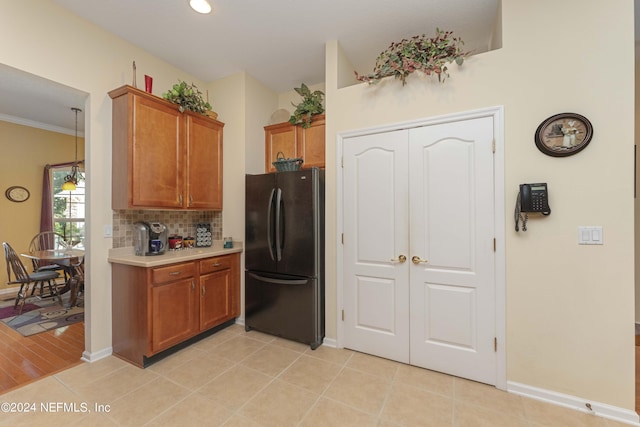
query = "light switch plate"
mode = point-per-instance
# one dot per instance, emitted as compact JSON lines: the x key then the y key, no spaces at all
{"x":591,"y":235}
{"x":107,"y":230}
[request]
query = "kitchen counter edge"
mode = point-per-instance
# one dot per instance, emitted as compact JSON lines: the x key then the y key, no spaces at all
{"x":126,"y":255}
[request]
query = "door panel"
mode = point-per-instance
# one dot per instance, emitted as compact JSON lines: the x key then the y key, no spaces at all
{"x":374,"y":312}
{"x":375,"y":233}
{"x":451,"y":215}
{"x":451,"y":312}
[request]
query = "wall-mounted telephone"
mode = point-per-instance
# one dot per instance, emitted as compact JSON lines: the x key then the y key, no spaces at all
{"x":531,"y":198}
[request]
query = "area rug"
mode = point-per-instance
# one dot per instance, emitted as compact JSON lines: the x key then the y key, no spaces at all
{"x":43,"y":315}
{"x":10,"y":311}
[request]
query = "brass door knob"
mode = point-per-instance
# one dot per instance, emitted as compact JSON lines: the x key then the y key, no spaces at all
{"x":400,"y":259}
{"x":416,"y":260}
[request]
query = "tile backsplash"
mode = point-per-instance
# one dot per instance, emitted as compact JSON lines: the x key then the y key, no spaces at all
{"x":182,"y":223}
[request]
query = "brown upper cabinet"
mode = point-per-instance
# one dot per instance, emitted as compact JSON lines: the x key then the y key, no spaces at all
{"x":295,"y":141}
{"x":163,"y":158}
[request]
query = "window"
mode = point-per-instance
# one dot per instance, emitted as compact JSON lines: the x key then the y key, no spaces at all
{"x":68,"y":208}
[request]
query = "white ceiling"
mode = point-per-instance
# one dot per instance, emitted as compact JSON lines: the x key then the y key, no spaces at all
{"x":33,"y":101}
{"x":279,"y":42}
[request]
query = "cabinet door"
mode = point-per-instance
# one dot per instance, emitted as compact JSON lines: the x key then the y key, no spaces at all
{"x":215,"y":298}
{"x":310,"y":143}
{"x":204,"y":163}
{"x":156,"y":152}
{"x":174,"y":315}
{"x":279,"y":138}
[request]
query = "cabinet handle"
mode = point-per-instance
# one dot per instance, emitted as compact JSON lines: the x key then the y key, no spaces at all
{"x":190,"y":200}
{"x":193,"y":286}
{"x":203,"y":291}
{"x":175,"y":273}
{"x":217,"y":264}
{"x":180,"y":198}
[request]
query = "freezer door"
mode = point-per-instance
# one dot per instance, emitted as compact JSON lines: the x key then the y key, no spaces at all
{"x":297,"y":223}
{"x":288,"y":307}
{"x":260,"y":196}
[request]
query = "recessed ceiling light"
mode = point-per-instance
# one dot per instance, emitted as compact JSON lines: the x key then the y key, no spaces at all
{"x":200,"y":6}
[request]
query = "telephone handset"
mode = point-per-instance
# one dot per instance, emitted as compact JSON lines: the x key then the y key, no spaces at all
{"x":531,"y":198}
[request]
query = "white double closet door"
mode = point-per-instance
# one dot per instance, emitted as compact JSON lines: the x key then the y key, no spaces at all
{"x":419,"y":271}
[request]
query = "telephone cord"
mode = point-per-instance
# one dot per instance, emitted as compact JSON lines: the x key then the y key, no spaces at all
{"x":518,"y":216}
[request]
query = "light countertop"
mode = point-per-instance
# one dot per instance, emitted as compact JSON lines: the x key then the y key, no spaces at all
{"x":126,"y":255}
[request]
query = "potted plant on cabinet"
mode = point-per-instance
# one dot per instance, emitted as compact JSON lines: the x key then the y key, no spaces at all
{"x":188,"y":97}
{"x":310,"y":106}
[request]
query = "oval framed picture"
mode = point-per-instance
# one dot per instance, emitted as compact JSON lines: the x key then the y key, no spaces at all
{"x":563,"y":134}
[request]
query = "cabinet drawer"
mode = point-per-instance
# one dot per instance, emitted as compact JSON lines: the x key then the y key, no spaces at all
{"x":215,"y":264}
{"x":173,"y":272}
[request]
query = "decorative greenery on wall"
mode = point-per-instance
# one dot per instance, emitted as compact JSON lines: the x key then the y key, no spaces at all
{"x":429,"y":55}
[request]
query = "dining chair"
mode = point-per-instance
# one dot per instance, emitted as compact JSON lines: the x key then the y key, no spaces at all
{"x":76,"y":281}
{"x":24,"y":279}
{"x":47,"y":240}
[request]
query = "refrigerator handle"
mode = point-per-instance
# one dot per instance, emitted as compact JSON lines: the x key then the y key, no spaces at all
{"x":279,"y":281}
{"x":278,"y":228}
{"x":270,"y":225}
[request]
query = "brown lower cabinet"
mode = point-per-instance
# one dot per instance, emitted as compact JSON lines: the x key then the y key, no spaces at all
{"x":156,"y":309}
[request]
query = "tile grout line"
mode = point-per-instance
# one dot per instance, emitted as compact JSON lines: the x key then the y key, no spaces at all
{"x":322,"y":395}
{"x":388,"y":393}
{"x":237,"y":410}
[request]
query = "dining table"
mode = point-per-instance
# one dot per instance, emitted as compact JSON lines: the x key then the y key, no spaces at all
{"x":71,"y":260}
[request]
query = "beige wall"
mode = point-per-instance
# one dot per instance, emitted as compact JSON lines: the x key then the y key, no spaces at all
{"x":245,"y":106}
{"x":570,"y":308}
{"x":25,"y":152}
{"x":288,"y":100}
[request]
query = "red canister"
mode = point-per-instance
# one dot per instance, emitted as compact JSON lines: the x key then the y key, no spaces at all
{"x":175,"y":242}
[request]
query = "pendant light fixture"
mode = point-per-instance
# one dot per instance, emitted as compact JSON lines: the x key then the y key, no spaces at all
{"x":71,"y":181}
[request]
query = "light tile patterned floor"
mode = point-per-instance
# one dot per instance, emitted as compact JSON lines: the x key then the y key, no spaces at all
{"x":243,"y":379}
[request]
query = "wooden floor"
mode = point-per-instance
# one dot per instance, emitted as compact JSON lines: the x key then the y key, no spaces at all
{"x":26,"y":359}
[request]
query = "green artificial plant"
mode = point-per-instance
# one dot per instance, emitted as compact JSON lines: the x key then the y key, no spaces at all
{"x":188,"y":97}
{"x":310,"y":106}
{"x":429,"y":55}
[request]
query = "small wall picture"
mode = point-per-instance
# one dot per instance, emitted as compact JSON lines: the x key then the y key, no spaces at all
{"x":563,"y":134}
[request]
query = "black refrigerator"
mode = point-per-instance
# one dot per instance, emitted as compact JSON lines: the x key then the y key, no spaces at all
{"x":284,"y":255}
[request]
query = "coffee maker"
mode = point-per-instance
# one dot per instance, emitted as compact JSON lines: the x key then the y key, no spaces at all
{"x":149,"y":238}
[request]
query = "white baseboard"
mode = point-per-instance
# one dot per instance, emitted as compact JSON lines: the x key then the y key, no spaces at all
{"x":599,"y":409}
{"x":330,"y":342}
{"x":95,"y":356}
{"x":8,"y":291}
